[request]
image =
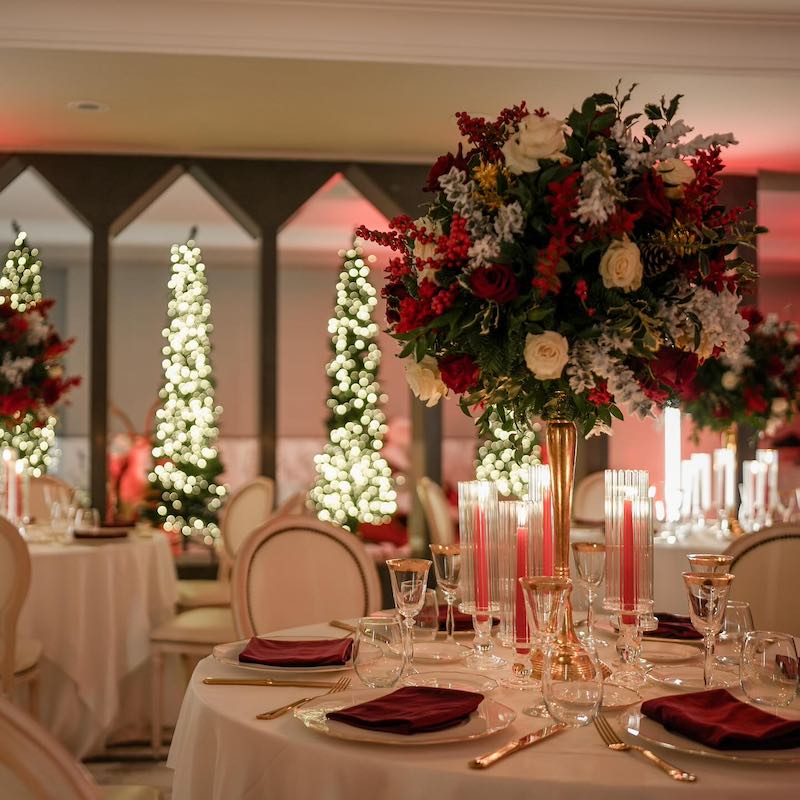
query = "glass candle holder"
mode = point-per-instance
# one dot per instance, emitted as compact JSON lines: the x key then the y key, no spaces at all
{"x":702,"y":480}
{"x":771,"y":498}
{"x":724,"y":487}
{"x":629,"y":565}
{"x":479,"y":582}
{"x":541,"y":500}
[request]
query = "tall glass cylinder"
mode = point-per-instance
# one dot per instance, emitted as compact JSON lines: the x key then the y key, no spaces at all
{"x":724,"y":486}
{"x":479,"y":583}
{"x":702,"y":467}
{"x":771,"y":500}
{"x":541,"y":499}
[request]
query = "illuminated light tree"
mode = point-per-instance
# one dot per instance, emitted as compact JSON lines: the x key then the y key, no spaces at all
{"x":501,"y":462}
{"x":186,"y":494}
{"x":21,"y":285}
{"x":354,"y":483}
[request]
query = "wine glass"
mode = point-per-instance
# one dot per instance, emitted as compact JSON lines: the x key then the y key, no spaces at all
{"x":574,"y":702}
{"x":737,"y":622}
{"x":712,"y":563}
{"x":87,"y":519}
{"x":769,"y":668}
{"x":590,"y":566}
{"x":409,"y":577}
{"x":708,"y":595}
{"x":427,"y":620}
{"x":545,"y":599}
{"x":62,"y":520}
{"x":378,"y":651}
{"x":447,"y":566}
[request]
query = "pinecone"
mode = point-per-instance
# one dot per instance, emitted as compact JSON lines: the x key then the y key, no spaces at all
{"x":657,"y":257}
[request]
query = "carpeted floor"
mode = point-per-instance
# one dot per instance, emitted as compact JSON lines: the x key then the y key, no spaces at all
{"x":137,"y":773}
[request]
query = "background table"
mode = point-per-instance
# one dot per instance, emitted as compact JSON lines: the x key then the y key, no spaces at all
{"x":92,"y":606}
{"x":221,"y":751}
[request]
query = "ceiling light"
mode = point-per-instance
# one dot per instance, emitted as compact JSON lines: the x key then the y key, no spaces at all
{"x":89,"y":106}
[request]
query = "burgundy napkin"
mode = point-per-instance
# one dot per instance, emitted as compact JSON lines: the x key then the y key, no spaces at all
{"x":674,"y":626}
{"x":717,"y":719}
{"x":298,"y":652}
{"x":461,"y":621}
{"x":412,"y":709}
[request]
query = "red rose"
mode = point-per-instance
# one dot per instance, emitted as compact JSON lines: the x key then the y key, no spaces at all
{"x":651,"y":202}
{"x":412,"y":314}
{"x":599,"y":395}
{"x":658,"y":396}
{"x":753,"y":316}
{"x":459,"y":373}
{"x":675,"y":369}
{"x":754,"y":401}
{"x":495,"y":282}
{"x":442,"y":166}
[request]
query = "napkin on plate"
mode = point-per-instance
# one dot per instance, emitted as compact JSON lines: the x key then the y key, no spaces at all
{"x":461,"y":621}
{"x":674,"y":626}
{"x":297,"y":652}
{"x":412,"y":709}
{"x":717,"y":719}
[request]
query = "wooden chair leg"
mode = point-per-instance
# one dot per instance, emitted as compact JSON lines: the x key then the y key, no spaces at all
{"x":156,"y":692}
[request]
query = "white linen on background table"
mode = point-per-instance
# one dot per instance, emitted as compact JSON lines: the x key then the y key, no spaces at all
{"x":221,"y":752}
{"x":92,"y":607}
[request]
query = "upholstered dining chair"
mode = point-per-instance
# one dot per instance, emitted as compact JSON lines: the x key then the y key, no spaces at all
{"x":45,"y":490}
{"x":589,"y":501}
{"x":296,"y":570}
{"x":246,"y":509}
{"x":35,"y":766}
{"x":766,"y":565}
{"x":441,"y":529}
{"x":19,"y":658}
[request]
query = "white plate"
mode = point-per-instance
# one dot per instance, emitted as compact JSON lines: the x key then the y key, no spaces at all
{"x":646,"y":730}
{"x":690,"y":677}
{"x":229,"y":654}
{"x":661,"y":651}
{"x":466,"y":681}
{"x":439,"y":653}
{"x":490,"y":717}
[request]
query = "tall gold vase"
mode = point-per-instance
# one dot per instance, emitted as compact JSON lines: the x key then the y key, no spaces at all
{"x":730,"y":437}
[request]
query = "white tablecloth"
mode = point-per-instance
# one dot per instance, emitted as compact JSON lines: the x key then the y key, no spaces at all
{"x":92,"y":607}
{"x":221,"y":752}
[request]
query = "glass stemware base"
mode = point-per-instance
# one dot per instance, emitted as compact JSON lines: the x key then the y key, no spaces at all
{"x":630,"y":673}
{"x":482,"y":657}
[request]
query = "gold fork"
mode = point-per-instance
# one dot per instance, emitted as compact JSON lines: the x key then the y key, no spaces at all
{"x":613,"y":742}
{"x":339,"y":686}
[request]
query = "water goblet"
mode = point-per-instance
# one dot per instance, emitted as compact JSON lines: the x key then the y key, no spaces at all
{"x":737,"y":622}
{"x":769,"y":668}
{"x":62,"y":520}
{"x":427,"y":620}
{"x":590,"y":566}
{"x":708,"y":595}
{"x":577,"y":701}
{"x":87,"y":519}
{"x":409,"y":577}
{"x":711,"y":563}
{"x":447,"y":566}
{"x":378,"y":651}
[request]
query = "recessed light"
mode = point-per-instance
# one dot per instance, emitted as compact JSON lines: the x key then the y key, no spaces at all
{"x":89,"y":106}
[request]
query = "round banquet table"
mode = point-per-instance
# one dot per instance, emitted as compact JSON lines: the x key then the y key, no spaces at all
{"x":92,"y":606}
{"x":220,"y":750}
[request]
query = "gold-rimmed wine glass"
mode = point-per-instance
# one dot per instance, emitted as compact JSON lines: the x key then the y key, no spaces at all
{"x":447,"y":566}
{"x":712,"y":563}
{"x":708,"y":596}
{"x":409,"y":577}
{"x":590,"y":567}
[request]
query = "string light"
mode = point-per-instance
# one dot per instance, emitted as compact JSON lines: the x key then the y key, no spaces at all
{"x":499,"y":460}
{"x":184,"y":478}
{"x":21,"y":286}
{"x":354,"y":483}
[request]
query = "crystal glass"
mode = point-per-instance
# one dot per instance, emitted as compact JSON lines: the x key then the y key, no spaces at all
{"x":737,"y":622}
{"x":427,"y":620}
{"x":769,"y":668}
{"x":769,"y":498}
{"x":545,"y":600}
{"x":378,"y":651}
{"x":708,"y":596}
{"x":574,"y":702}
{"x":724,"y":468}
{"x":409,"y":577}
{"x":447,"y":566}
{"x":590,"y":568}
{"x":87,"y":519}
{"x":62,"y":521}
{"x":709,"y":563}
{"x":479,"y":582}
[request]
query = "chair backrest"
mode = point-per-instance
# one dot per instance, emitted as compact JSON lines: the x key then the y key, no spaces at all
{"x":294,"y":504}
{"x":34,"y":765}
{"x":246,"y":510}
{"x":15,"y":579}
{"x":589,"y":501}
{"x":296,"y":570}
{"x":44,"y":491}
{"x":766,"y":565}
{"x":437,"y":512}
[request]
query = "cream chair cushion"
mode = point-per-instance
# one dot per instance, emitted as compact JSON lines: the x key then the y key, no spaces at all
{"x":198,"y":626}
{"x":201,"y":593}
{"x":129,"y":793}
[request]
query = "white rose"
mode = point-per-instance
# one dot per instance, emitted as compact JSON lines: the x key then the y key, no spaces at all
{"x":791,"y":336}
{"x":536,"y":139}
{"x":427,"y":249}
{"x":621,"y":266}
{"x":425,"y":380}
{"x":729,"y":380}
{"x":675,"y":173}
{"x":546,"y":354}
{"x":780,"y":405}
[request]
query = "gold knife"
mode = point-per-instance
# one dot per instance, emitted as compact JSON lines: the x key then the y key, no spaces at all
{"x":482,"y":762}
{"x":262,"y":682}
{"x":345,"y":626}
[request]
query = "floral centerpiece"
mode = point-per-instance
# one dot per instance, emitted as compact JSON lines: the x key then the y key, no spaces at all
{"x":32,"y":378}
{"x":584,"y":263}
{"x":758,"y":388}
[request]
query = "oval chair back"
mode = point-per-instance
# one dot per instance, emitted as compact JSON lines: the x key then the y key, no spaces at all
{"x":441,"y":529}
{"x":589,"y":501}
{"x":15,"y":579}
{"x":247,"y":509}
{"x":44,"y":491}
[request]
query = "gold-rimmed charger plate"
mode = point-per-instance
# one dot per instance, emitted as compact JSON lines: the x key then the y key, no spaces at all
{"x":228,"y":653}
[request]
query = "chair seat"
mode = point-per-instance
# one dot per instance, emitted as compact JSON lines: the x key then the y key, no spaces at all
{"x":129,"y":793}
{"x":199,"y":594}
{"x":27,"y":654}
{"x":197,"y":626}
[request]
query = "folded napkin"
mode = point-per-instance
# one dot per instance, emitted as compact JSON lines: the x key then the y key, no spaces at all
{"x":412,"y":709}
{"x":461,"y":621}
{"x":674,"y":626}
{"x":297,"y":652}
{"x":717,"y":719}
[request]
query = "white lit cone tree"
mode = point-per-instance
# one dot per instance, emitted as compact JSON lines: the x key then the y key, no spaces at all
{"x":507,"y":464}
{"x":21,"y":285}
{"x":186,"y":494}
{"x":354,"y":483}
